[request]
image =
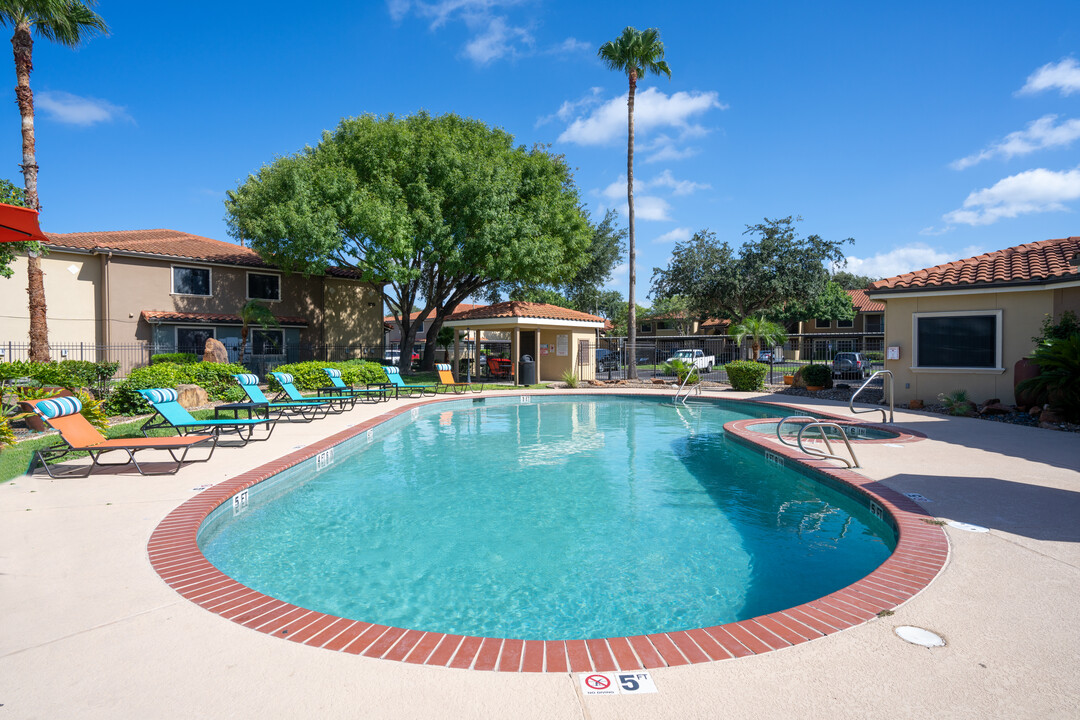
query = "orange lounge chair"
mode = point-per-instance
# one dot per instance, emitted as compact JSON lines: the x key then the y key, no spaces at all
{"x":78,"y":435}
{"x":446,"y":380}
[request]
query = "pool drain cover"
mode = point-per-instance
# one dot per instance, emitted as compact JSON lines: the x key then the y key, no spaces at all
{"x":968,"y":527}
{"x":919,"y":636}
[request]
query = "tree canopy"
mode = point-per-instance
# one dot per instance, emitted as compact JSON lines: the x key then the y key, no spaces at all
{"x":851,"y":281}
{"x":437,"y":208}
{"x":774,"y":268}
{"x":832,"y":303}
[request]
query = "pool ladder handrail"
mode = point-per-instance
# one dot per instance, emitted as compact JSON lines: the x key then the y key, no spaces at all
{"x":887,"y":386}
{"x":695,"y":388}
{"x":820,"y":425}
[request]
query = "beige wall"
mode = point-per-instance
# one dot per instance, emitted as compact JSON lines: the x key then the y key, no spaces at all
{"x":1066,"y":299}
{"x":1022,"y":316}
{"x":71,"y":286}
{"x":552,"y":366}
{"x":353,"y":314}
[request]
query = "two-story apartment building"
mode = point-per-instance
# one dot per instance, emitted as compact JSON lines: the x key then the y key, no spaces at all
{"x":171,"y":289}
{"x":822,"y":338}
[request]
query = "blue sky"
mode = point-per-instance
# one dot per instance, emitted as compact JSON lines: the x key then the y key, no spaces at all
{"x":927,"y":132}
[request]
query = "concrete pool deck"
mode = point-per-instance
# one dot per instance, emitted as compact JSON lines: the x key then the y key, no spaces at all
{"x":88,"y":628}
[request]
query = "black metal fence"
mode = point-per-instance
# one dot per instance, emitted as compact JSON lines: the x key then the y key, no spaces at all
{"x":611,"y":355}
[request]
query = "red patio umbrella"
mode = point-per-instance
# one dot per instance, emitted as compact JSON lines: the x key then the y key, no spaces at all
{"x":19,"y":224}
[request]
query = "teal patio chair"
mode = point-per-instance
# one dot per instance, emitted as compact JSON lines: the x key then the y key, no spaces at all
{"x":336,"y":403}
{"x":305,"y":411}
{"x":393,"y":374}
{"x":170,"y":414}
{"x":373,"y":392}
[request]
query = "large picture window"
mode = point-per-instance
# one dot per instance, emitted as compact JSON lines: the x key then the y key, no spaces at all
{"x":263,"y":287}
{"x":192,"y":339}
{"x":822,"y":323}
{"x":191,"y":280}
{"x":958,"y":340}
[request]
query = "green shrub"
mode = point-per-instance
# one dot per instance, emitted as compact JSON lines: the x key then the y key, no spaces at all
{"x":215,"y":378}
{"x":957,"y":402}
{"x":746,"y":375}
{"x":875,"y":357}
{"x":310,"y":376}
{"x":1058,"y":381}
{"x":178,"y":358}
{"x":570,"y":378}
{"x":680,"y":369}
{"x":817,"y":375}
{"x":69,"y":374}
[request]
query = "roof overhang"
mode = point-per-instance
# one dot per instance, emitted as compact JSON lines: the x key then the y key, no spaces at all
{"x":509,"y":323}
{"x":1033,"y":286}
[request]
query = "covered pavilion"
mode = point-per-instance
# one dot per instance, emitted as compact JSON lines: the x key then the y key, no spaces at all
{"x":556,"y":338}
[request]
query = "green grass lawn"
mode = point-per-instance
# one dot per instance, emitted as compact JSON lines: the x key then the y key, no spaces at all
{"x":15,"y":461}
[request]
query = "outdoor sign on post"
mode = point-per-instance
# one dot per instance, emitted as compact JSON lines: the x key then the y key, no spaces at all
{"x":562,"y":345}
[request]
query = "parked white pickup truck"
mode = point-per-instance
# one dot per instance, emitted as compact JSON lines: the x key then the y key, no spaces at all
{"x":697,"y":358}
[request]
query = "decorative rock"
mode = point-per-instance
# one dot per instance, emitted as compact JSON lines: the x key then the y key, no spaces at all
{"x":1049,"y":416}
{"x":916,"y":405}
{"x":215,"y":352}
{"x":1035,"y":411}
{"x":191,"y":396}
{"x":994,"y":401}
{"x":659,"y":381}
{"x":994,"y":408}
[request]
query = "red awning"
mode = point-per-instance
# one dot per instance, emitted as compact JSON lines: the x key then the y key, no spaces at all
{"x":19,"y":224}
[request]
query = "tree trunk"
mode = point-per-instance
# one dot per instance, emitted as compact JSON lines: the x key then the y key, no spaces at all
{"x":22,"y":44}
{"x":632,"y":315}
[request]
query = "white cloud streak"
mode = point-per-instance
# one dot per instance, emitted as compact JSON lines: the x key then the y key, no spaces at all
{"x":681,"y":234}
{"x":905,"y":259}
{"x":1063,"y":76}
{"x":1038,"y":135}
{"x":71,"y":109}
{"x":653,"y":109}
{"x":1032,"y":191}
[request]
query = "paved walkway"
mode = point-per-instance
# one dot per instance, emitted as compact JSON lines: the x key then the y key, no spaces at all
{"x":88,"y":629}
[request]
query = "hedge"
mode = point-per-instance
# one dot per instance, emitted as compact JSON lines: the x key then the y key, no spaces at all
{"x":746,"y":375}
{"x":310,"y":376}
{"x":215,"y":378}
{"x":178,"y":358}
{"x":817,"y":375}
{"x":69,"y":374}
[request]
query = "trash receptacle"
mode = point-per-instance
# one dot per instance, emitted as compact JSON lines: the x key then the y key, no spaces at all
{"x":528,"y":372}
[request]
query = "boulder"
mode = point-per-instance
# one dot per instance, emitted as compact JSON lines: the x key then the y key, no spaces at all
{"x":191,"y":396}
{"x":1050,"y":417}
{"x":659,"y":381}
{"x":1035,"y":411}
{"x":994,"y":408}
{"x":215,"y":352}
{"x":916,"y":405}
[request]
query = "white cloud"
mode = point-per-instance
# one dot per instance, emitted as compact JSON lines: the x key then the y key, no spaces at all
{"x":670,"y":153}
{"x":678,"y":187}
{"x":497,"y":39}
{"x":1038,"y":135}
{"x":652,"y":109}
{"x":677,"y":235}
{"x":571,"y":46}
{"x":905,"y":259}
{"x":648,"y":207}
{"x":570,"y":108}
{"x":1064,"y":76}
{"x":75,"y":110}
{"x":1032,"y":191}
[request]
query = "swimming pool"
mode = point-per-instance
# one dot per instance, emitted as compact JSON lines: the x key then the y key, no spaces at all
{"x":545,"y":518}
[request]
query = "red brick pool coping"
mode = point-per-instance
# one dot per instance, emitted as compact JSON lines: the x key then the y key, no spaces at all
{"x":921,"y":552}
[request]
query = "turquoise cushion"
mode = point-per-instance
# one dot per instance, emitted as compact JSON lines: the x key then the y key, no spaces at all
{"x":391,"y":370}
{"x":283,"y":378}
{"x":442,"y":366}
{"x":332,"y":372}
{"x":58,"y":407}
{"x":248,"y":379}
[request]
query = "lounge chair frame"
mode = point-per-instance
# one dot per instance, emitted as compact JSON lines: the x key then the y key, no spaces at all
{"x":292,"y":411}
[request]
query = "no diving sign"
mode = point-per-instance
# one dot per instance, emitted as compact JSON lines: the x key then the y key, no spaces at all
{"x":622,"y":683}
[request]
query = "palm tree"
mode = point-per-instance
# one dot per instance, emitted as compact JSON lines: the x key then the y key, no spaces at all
{"x":635,"y":53}
{"x":67,"y":22}
{"x":759,"y":330}
{"x":254,"y":313}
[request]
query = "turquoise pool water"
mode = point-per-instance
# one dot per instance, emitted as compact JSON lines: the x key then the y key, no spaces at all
{"x":555,"y":518}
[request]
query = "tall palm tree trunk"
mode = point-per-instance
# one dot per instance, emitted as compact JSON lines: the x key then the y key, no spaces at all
{"x":22,"y":43}
{"x":632,"y":321}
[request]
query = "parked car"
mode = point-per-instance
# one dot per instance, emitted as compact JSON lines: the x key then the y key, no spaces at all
{"x":766,"y":356}
{"x":696,"y":358}
{"x":606,"y":360}
{"x":850,"y":365}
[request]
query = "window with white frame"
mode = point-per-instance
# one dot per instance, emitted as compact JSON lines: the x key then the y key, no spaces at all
{"x":845,"y":323}
{"x":191,"y":280}
{"x":970,"y":339}
{"x":261,"y":286}
{"x":822,"y":323}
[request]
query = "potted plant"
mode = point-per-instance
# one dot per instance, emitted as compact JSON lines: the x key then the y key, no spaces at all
{"x":816,"y":377}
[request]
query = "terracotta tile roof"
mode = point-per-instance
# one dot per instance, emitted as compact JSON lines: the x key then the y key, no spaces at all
{"x":170,"y":316}
{"x":520,"y":309}
{"x":713,"y":322}
{"x":863,"y":303}
{"x":170,"y":243}
{"x":460,"y":308}
{"x":1044,"y":261}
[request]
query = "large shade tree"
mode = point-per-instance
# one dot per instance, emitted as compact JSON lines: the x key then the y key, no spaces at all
{"x":67,"y":22}
{"x":775,"y":268}
{"x":637,"y":53}
{"x":431,"y":209}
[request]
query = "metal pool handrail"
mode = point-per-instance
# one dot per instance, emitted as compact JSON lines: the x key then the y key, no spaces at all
{"x":695,"y":388}
{"x":887,"y":386}
{"x":820,"y":425}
